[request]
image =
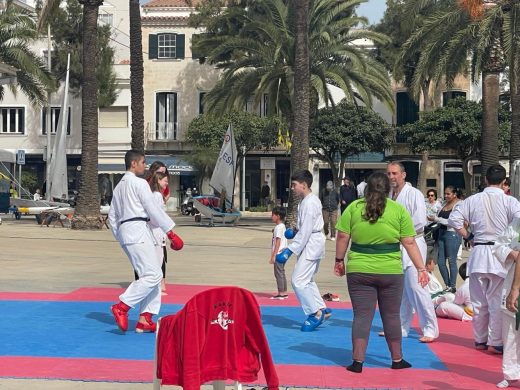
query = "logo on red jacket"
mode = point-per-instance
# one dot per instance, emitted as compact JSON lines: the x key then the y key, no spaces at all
{"x":223,"y":320}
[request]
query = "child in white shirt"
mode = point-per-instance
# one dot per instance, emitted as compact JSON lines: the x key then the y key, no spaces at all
{"x":279,"y":243}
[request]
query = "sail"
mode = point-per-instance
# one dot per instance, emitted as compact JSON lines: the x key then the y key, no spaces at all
{"x":223,"y":177}
{"x":59,"y":186}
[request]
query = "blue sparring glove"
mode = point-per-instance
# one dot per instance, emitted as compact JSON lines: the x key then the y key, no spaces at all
{"x":283,"y":256}
{"x":290,"y":233}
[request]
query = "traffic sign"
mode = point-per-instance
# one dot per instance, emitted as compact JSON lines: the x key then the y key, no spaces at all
{"x":20,"y":157}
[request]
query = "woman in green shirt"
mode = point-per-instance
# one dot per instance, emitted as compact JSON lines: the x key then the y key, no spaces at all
{"x":377,"y":226}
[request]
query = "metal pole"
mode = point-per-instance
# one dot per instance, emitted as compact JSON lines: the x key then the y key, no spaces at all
{"x":20,"y":181}
{"x":244,"y":179}
{"x":48,"y":118}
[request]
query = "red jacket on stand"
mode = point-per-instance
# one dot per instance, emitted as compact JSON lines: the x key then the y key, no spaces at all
{"x":218,"y":335}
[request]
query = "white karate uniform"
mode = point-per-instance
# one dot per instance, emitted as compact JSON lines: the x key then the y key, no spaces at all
{"x":309,"y":246}
{"x":133,"y":198}
{"x":158,"y":234}
{"x":488,"y":213}
{"x":506,"y":242}
{"x":457,"y":306}
{"x":416,"y":297}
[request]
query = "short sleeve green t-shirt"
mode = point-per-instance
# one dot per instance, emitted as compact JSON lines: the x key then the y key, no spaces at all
{"x":394,"y":224}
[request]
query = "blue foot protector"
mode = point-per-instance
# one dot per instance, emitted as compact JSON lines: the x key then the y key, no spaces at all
{"x":326,"y":313}
{"x":312,"y":323}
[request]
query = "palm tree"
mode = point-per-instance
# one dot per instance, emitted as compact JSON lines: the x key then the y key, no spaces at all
{"x":300,"y":123}
{"x":136,"y":76}
{"x":265,"y":58}
{"x":87,"y":215}
{"x":452,"y":34}
{"x":17,"y":29}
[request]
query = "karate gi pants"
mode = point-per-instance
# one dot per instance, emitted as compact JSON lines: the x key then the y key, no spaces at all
{"x":304,"y":286}
{"x":417,"y":298}
{"x":485,"y":292}
{"x":146,"y":291}
{"x":511,"y":339}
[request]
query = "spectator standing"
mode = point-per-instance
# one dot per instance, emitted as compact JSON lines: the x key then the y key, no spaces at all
{"x":329,"y":205}
{"x":278,"y":245}
{"x":347,"y":193}
{"x":265,"y":193}
{"x":377,"y":227}
{"x":361,"y":188}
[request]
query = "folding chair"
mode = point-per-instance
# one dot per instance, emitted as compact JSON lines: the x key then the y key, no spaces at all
{"x":220,"y":319}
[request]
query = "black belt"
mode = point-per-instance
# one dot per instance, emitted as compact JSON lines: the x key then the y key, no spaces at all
{"x":484,"y":243}
{"x":135,"y":219}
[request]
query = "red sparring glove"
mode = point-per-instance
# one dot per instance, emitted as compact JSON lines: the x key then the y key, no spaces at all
{"x":176,"y":242}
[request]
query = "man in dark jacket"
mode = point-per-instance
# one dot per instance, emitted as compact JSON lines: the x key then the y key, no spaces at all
{"x":347,"y":193}
{"x":329,"y":203}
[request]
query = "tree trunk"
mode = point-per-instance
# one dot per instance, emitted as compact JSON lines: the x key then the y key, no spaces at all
{"x":489,"y":139}
{"x":87,"y":214}
{"x":514,"y":153}
{"x":301,"y":103}
{"x":428,"y":105}
{"x":136,"y":76}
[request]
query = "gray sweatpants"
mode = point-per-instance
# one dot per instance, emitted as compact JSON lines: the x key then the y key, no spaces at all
{"x":279,"y":274}
{"x":367,"y":290}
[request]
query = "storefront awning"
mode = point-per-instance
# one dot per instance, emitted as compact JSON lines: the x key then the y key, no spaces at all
{"x":175,"y":165}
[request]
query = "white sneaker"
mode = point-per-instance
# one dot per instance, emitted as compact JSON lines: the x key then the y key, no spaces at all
{"x":333,"y":238}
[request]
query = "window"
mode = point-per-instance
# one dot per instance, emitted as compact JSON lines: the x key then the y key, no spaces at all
{"x":116,"y":116}
{"x":12,"y":120}
{"x":45,"y":55}
{"x":166,"y":115}
{"x":166,"y":46}
{"x":201,"y":102}
{"x":55,"y":116}
{"x":105,"y":18}
{"x":447,"y":96}
{"x":407,"y":111}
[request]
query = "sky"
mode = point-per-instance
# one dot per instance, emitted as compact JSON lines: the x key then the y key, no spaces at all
{"x":373,"y":10}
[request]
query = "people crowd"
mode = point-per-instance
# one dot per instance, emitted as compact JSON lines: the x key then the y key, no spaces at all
{"x":389,"y":239}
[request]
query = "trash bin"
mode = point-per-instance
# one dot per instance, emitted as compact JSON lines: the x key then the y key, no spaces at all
{"x":4,"y":202}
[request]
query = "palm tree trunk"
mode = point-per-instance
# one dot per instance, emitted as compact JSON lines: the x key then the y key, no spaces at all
{"x":514,"y":153}
{"x":87,"y":206}
{"x":489,"y":140}
{"x":301,"y":103}
{"x":428,"y":105}
{"x":136,"y":76}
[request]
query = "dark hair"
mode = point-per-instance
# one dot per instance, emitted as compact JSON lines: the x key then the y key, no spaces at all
{"x":132,"y":155}
{"x":508,"y":182}
{"x":432,"y":190}
{"x":456,"y":191}
{"x":303,"y":176}
{"x":495,"y":174}
{"x":154,"y":167}
{"x":376,"y":193}
{"x":462,"y":271}
{"x":280,"y":211}
{"x":154,"y":181}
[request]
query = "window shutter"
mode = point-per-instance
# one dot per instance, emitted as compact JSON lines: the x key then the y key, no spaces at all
{"x":153,"y":46}
{"x":179,"y":46}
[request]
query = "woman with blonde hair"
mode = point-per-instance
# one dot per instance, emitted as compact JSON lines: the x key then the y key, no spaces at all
{"x":377,"y":226}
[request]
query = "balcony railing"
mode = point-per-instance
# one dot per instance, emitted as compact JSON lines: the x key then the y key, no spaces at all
{"x":164,"y":131}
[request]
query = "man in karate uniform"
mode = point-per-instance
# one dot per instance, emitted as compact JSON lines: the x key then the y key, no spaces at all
{"x":131,"y":208}
{"x":415,"y":297}
{"x":489,"y":213}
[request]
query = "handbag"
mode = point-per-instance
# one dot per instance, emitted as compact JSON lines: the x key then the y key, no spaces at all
{"x":431,"y":233}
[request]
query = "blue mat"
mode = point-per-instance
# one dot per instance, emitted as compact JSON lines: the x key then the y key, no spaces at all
{"x":87,"y":330}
